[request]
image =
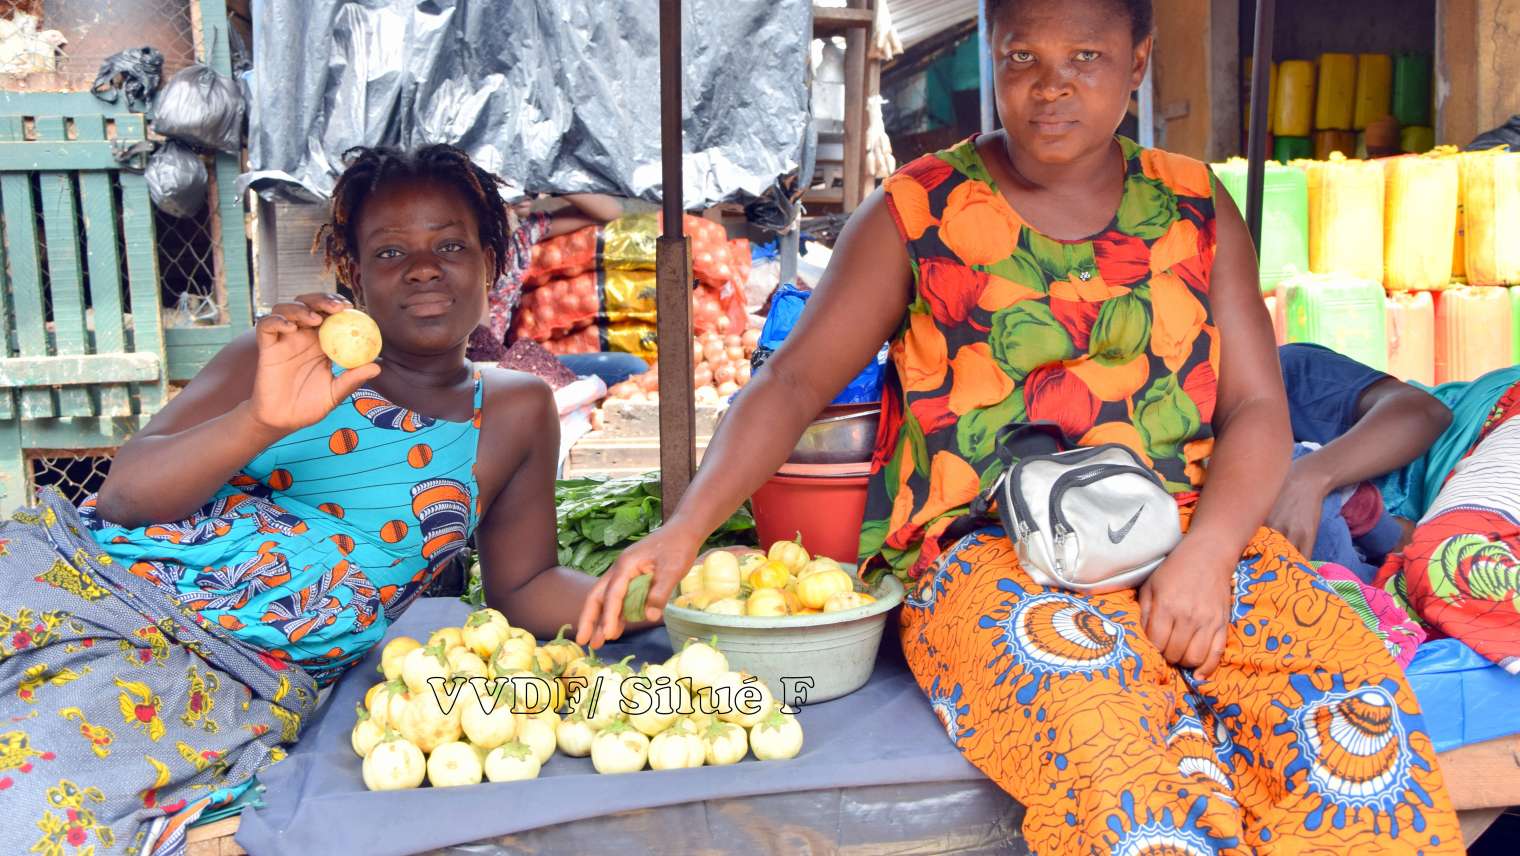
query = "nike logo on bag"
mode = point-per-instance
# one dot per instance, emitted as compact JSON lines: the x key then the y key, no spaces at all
{"x":1117,"y":537}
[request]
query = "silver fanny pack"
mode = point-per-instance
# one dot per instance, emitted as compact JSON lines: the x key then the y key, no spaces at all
{"x":1093,"y":519}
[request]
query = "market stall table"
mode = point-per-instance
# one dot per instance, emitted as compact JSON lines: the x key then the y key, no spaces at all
{"x":876,"y":773}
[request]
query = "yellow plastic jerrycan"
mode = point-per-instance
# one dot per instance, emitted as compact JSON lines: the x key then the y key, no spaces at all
{"x":1335,"y":102}
{"x":1374,"y":88}
{"x":1295,"y":99}
{"x":1490,"y":206}
{"x":1420,"y":217}
{"x":1346,"y":217}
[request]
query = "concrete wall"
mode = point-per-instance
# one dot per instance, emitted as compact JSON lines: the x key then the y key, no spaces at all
{"x":1195,"y":54}
{"x":1478,"y":66}
{"x":1308,"y":28}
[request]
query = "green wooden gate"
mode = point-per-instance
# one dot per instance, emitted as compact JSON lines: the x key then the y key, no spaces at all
{"x":86,"y":355}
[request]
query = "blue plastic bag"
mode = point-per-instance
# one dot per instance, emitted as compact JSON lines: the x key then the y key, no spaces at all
{"x":786,"y":308}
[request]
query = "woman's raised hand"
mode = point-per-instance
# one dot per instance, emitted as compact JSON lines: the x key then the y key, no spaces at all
{"x":294,"y":386}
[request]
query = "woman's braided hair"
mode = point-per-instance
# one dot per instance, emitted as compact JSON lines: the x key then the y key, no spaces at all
{"x":1142,"y":17}
{"x":369,"y":168}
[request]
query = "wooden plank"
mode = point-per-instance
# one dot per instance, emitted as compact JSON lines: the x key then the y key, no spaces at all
{"x":146,"y":312}
{"x":56,"y":155}
{"x":178,"y":337}
{"x":854,"y":112}
{"x":1483,"y":775}
{"x":60,"y":227}
{"x":1457,"y":60}
{"x":832,"y":21}
{"x":298,"y":270}
{"x":90,"y":432}
{"x":186,"y":361}
{"x":76,"y":370}
{"x":872,"y":89}
{"x":8,"y":348}
{"x":25,"y":270}
{"x":266,"y":256}
{"x":56,"y":104}
{"x":1475,"y":822}
{"x":214,"y":839}
{"x":142,"y":283}
{"x":15,"y":479}
{"x":98,"y":214}
{"x":230,"y":248}
{"x":678,"y":448}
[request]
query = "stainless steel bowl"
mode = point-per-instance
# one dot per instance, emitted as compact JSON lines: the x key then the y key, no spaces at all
{"x":838,"y":438}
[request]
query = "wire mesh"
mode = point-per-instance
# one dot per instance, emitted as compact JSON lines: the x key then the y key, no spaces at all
{"x":187,"y":269}
{"x":90,"y":31}
{"x":76,"y":475}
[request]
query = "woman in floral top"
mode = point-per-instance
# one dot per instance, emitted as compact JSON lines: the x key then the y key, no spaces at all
{"x":1055,"y":272}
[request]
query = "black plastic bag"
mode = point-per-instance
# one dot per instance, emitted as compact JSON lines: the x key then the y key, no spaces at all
{"x":1507,"y":135}
{"x":135,"y":72}
{"x":202,"y":107}
{"x":177,"y":180}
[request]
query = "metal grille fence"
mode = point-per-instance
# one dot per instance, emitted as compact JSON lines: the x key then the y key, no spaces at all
{"x":75,"y":474}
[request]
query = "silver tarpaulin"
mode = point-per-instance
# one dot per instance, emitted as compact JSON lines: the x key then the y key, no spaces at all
{"x":556,"y":96}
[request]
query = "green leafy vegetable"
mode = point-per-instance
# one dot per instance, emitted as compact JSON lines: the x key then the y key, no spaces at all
{"x":597,"y":518}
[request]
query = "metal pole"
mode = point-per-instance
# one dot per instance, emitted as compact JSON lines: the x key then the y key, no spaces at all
{"x":678,"y":457}
{"x":1261,"y":71}
{"x":984,"y":56}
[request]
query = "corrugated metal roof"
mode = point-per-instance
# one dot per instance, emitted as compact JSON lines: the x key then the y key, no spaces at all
{"x":916,"y":20}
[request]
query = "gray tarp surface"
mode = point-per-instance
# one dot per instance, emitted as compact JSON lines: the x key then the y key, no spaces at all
{"x":556,"y":96}
{"x":881,"y":735}
{"x":876,"y":773}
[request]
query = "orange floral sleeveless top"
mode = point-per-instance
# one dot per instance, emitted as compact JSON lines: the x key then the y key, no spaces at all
{"x":1110,"y":337}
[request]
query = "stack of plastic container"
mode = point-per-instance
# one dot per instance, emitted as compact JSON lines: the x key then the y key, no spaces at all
{"x":1374,"y":89}
{"x":1473,"y":332}
{"x":1490,"y":204}
{"x":1412,"y":337}
{"x":1293,"y":121}
{"x":1343,"y":313}
{"x":1285,"y":218}
{"x":1335,"y":106}
{"x":1514,"y":315}
{"x":1414,"y":265}
{"x":1420,"y":202}
{"x":1412,"y":101}
{"x":1321,"y":106}
{"x":1346,"y":217}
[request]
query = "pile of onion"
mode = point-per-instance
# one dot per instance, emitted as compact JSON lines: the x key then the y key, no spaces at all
{"x":720,"y":368}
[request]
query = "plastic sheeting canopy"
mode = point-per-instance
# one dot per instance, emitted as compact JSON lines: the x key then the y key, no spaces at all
{"x":556,"y":96}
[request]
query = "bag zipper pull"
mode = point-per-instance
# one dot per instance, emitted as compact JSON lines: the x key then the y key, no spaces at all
{"x":1058,"y":548}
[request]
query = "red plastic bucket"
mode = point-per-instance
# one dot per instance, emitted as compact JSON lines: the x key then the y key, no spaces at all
{"x":827,"y":510}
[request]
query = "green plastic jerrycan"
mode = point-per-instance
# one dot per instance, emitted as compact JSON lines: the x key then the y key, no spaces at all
{"x":1284,"y":218}
{"x":1342,"y":313}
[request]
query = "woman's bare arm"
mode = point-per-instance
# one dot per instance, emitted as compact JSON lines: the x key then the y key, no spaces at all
{"x":265,"y":384}
{"x":1185,"y":603}
{"x":519,"y":448}
{"x":858,"y":305}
